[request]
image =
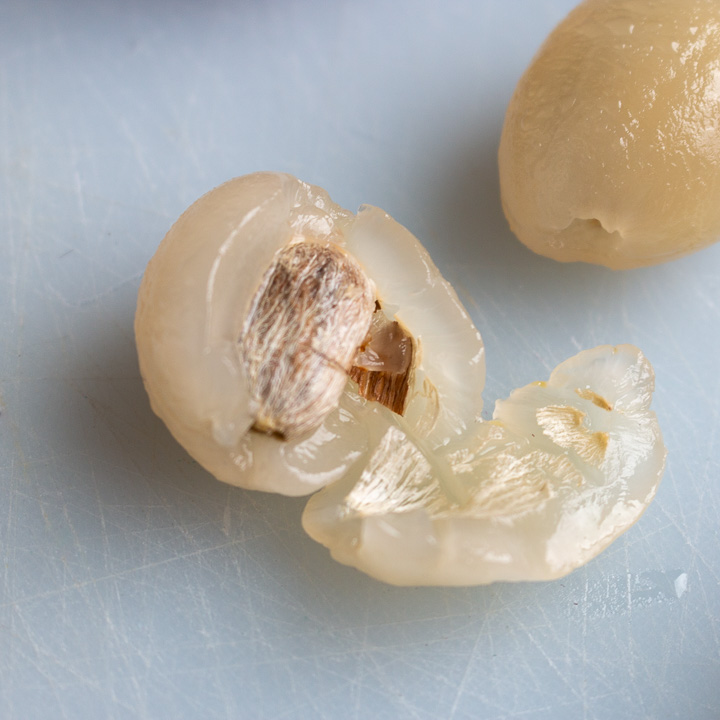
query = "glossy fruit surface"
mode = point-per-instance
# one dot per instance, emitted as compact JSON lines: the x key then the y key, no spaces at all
{"x":194,"y":302}
{"x":610,"y":151}
{"x":562,"y":470}
{"x":272,"y":324}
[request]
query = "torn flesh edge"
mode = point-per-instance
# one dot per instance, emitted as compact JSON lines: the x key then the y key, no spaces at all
{"x":402,"y":482}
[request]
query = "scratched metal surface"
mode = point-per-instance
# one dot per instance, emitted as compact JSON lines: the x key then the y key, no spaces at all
{"x":133,"y":585}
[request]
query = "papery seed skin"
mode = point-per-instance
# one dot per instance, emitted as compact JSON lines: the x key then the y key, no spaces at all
{"x":301,"y":334}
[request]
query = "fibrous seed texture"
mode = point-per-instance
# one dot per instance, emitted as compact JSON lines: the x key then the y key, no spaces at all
{"x":301,"y":334}
{"x":610,"y":150}
{"x":291,"y":346}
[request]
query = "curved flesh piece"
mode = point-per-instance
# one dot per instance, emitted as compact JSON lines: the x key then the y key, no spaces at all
{"x":564,"y":468}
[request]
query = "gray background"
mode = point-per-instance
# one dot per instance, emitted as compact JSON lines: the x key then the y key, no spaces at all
{"x":132,"y":584}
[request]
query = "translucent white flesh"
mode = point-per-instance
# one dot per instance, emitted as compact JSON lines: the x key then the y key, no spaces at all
{"x":610,"y":151}
{"x":435,"y":496}
{"x":563,"y":469}
{"x":195,"y":296}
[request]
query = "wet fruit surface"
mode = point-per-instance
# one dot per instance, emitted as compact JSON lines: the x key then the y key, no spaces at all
{"x":563,"y":469}
{"x":218,"y":352}
{"x":290,"y":345}
{"x":610,"y":152}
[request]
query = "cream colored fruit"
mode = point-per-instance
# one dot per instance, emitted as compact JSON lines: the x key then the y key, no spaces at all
{"x":610,"y":152}
{"x":290,"y":345}
{"x":212,"y":366}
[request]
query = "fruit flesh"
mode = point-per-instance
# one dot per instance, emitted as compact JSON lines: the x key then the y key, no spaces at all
{"x":428,"y":495}
{"x":610,"y":151}
{"x":196,"y":294}
{"x":565,"y":467}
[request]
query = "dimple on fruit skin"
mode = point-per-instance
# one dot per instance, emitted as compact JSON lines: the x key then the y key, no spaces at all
{"x":610,"y":150}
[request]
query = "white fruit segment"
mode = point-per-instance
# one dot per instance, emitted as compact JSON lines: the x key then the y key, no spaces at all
{"x":450,"y":375}
{"x":564,"y":468}
{"x":196,"y":294}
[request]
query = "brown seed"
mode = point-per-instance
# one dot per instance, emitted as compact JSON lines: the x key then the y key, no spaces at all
{"x":310,"y":314}
{"x":383,"y":368}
